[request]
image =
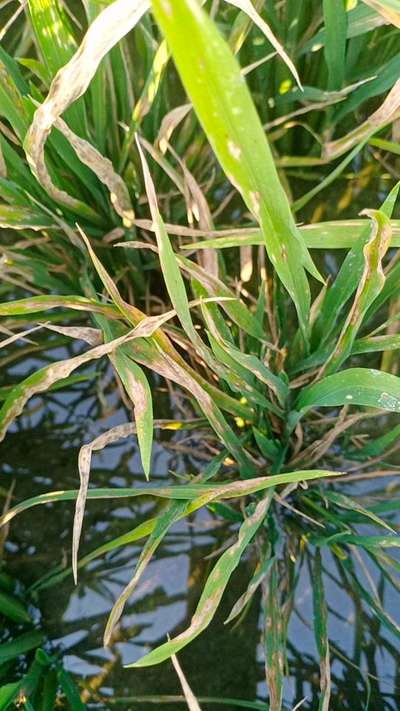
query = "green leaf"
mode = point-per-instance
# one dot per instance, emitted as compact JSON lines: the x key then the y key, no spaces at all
{"x":20,"y":645}
{"x":351,"y":504}
{"x":383,"y":77}
{"x":8,"y":693}
{"x":236,"y":309}
{"x":144,"y":529}
{"x":213,"y":589}
{"x":12,"y":608}
{"x":238,"y":378}
{"x":355,"y":386}
{"x":49,"y":691}
{"x":139,"y":392}
{"x":260,"y":371}
{"x":169,"y":266}
{"x":163,"y":523}
{"x":218,"y":491}
{"x":373,"y":603}
{"x":370,"y":285}
{"x":172,"y":513}
{"x":389,"y":9}
{"x":15,"y":217}
{"x":321,"y":633}
{"x":57,"y":45}
{"x":260,"y":574}
{"x":71,"y":691}
{"x":361,"y":19}
{"x":347,"y":280}
{"x":225,"y":109}
{"x":335,"y":17}
{"x":274,"y":647}
{"x":53,"y":33}
{"x":11,"y":104}
{"x":377,"y":446}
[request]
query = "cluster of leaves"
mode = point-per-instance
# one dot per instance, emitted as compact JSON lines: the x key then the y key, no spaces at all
{"x":259,"y":353}
{"x":43,"y":683}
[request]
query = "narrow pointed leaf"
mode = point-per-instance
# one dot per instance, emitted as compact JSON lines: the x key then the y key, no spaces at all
{"x":138,"y":390}
{"x":223,"y":104}
{"x":369,"y":288}
{"x":213,"y":589}
{"x":355,"y":386}
{"x":321,"y":633}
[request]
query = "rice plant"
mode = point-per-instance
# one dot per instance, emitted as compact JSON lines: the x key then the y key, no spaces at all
{"x":152,"y":190}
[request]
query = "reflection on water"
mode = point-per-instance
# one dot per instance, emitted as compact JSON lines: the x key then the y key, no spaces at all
{"x":40,"y":454}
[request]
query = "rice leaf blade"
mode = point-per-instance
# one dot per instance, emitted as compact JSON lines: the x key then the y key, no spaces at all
{"x":241,"y":146}
{"x":321,"y":633}
{"x":371,"y":284}
{"x":138,"y":390}
{"x":335,"y":17}
{"x":213,"y":589}
{"x":354,"y":386}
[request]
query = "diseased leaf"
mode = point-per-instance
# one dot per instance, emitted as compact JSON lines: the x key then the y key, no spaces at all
{"x":169,"y":123}
{"x":218,"y":490}
{"x":374,"y":344}
{"x":258,"y":577}
{"x":173,"y":512}
{"x":71,"y":81}
{"x":369,"y":287}
{"x":321,"y":633}
{"x":248,"y":8}
{"x":351,"y":504}
{"x":340,"y":234}
{"x":193,"y":704}
{"x":347,"y":279}
{"x":385,"y":114}
{"x":45,"y":377}
{"x":92,"y":336}
{"x":213,"y":589}
{"x":171,"y":272}
{"x":15,"y":217}
{"x":274,"y":652}
{"x":37,"y":304}
{"x":354,"y":386}
{"x":389,"y":9}
{"x":237,"y":137}
{"x":138,"y":390}
{"x":103,"y":168}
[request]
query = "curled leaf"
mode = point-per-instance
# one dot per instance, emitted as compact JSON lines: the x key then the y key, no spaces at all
{"x":70,"y":82}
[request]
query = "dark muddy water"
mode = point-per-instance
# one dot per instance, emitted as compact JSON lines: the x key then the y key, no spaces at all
{"x":40,"y":455}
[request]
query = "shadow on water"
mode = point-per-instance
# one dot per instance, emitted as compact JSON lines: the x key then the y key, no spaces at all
{"x":40,"y":455}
